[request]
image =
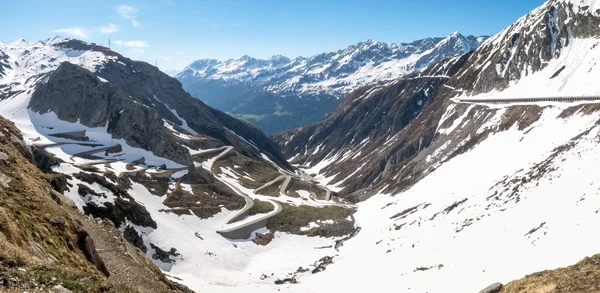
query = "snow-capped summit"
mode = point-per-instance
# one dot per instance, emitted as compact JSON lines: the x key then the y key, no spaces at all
{"x":320,"y":80}
{"x":334,"y":73}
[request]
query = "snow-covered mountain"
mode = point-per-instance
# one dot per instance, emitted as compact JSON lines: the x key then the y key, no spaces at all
{"x":266,"y":91}
{"x":186,"y":184}
{"x":443,"y":184}
{"x":453,"y":193}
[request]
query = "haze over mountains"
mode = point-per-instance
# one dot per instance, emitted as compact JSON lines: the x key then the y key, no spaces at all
{"x":281,"y":93}
{"x":464,"y":166}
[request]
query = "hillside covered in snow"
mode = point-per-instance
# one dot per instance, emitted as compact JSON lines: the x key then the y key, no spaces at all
{"x":281,"y":93}
{"x":455,"y":195}
{"x":439,"y":180}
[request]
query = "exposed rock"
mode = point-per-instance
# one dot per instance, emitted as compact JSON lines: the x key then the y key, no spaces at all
{"x":134,"y":238}
{"x":58,"y":181}
{"x":121,"y":209}
{"x":61,"y":289}
{"x":263,"y":239}
{"x":164,"y":256}
{"x":4,"y":180}
{"x":58,"y":222}
{"x":86,"y":244}
{"x":291,"y":280}
{"x":322,"y":264}
{"x":493,"y":288}
{"x":44,"y":160}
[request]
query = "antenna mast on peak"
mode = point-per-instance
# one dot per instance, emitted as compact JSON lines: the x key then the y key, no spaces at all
{"x":109,"y":43}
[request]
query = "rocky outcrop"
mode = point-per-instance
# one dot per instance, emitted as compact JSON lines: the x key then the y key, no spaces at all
{"x":86,"y":244}
{"x":75,"y":94}
{"x":493,"y":288}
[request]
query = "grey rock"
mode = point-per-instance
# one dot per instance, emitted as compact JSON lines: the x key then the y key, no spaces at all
{"x":493,"y":288}
{"x":22,"y":147}
{"x":4,"y":180}
{"x":61,"y":289}
{"x":86,"y":244}
{"x":58,"y":222}
{"x":3,"y":157}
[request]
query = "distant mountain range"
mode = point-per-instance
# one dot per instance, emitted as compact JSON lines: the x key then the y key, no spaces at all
{"x":171,"y":72}
{"x":279,"y":93}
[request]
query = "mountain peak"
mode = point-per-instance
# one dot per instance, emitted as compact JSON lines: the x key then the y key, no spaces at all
{"x":18,"y":42}
{"x":54,"y":40}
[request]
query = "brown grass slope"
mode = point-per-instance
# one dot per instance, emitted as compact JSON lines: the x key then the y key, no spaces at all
{"x":583,"y":277}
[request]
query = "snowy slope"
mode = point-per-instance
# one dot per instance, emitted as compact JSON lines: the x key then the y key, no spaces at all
{"x":498,"y":191}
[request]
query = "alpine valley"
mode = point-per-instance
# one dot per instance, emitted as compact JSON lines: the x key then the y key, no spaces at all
{"x":280,"y":93}
{"x":455,"y":164}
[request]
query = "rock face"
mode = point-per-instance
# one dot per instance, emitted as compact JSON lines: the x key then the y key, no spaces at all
{"x":135,"y":106}
{"x":279,"y":93}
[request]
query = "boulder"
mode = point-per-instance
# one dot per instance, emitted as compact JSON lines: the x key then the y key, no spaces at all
{"x":86,"y":244}
{"x":58,"y":222}
{"x":493,"y":288}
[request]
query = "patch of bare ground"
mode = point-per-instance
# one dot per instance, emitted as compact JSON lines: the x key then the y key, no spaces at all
{"x":579,"y":278}
{"x":271,"y":190}
{"x":263,"y":239}
{"x":524,"y":116}
{"x":261,"y":207}
{"x":292,"y":218}
{"x":586,"y":109}
{"x":298,"y":184}
{"x":157,"y":186}
{"x":205,"y":200}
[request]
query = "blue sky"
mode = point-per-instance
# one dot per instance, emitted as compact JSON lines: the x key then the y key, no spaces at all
{"x":177,"y":32}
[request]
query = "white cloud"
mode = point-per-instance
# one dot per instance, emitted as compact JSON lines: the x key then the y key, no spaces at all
{"x":131,"y":44}
{"x":76,"y":32}
{"x":109,"y":29}
{"x":135,"y":23}
{"x":164,"y":57}
{"x":128,"y":12}
{"x":137,"y":51}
